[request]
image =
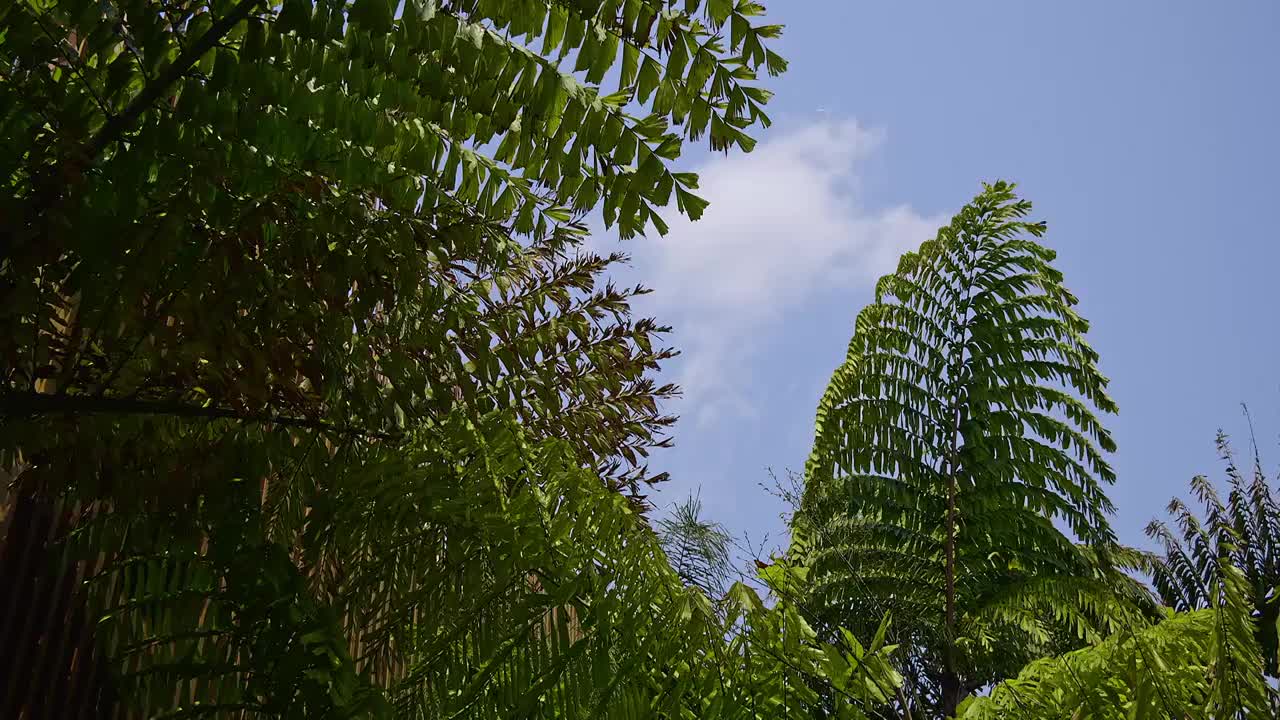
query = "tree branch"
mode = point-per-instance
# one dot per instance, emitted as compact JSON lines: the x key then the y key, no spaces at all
{"x":30,"y":403}
{"x":116,"y":125}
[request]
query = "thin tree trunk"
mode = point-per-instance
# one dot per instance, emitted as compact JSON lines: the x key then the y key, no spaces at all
{"x":953,"y":690}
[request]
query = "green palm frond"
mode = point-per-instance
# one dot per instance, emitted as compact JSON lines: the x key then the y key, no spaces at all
{"x":466,"y":573}
{"x":297,"y":171}
{"x":698,"y":548}
{"x":955,"y":443}
{"x":1242,"y":530}
{"x":1203,"y":663}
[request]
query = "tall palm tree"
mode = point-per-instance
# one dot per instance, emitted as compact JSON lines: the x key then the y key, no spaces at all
{"x":958,"y":470}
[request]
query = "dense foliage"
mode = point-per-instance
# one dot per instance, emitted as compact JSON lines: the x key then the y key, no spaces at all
{"x":204,"y":199}
{"x":958,"y":429}
{"x":293,"y":300}
{"x":313,"y":404}
{"x":1203,"y":664}
{"x":1241,"y":534}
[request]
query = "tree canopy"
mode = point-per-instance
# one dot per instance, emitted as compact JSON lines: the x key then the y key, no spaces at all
{"x":299,"y":335}
{"x":959,"y":428}
{"x":206,"y":198}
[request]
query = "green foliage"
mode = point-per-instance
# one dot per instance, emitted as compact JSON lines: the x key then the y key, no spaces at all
{"x":698,"y":548}
{"x":300,"y":342}
{"x":1244,"y":532}
{"x":396,"y":106}
{"x":292,"y":298}
{"x":841,"y":678}
{"x":1201,"y":664}
{"x":205,"y":199}
{"x":958,"y":430}
{"x":464,"y":573}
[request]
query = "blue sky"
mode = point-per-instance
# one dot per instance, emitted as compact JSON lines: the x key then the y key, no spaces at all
{"x":1144,"y":132}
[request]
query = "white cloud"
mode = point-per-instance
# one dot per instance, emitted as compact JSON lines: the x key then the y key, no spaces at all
{"x":784,"y":225}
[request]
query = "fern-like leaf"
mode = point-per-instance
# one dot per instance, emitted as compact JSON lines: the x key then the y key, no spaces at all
{"x":958,"y":449}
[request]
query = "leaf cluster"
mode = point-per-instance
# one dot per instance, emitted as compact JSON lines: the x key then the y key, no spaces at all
{"x":1241,"y":532}
{"x":958,"y":452}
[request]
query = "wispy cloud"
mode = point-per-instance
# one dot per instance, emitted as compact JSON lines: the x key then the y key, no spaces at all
{"x":785,"y":225}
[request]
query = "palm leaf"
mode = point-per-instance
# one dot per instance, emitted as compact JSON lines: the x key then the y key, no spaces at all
{"x":957,"y":453}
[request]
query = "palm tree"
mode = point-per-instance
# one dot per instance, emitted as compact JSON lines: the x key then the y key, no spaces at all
{"x":956,"y":455}
{"x":698,"y":548}
{"x":1243,"y":532}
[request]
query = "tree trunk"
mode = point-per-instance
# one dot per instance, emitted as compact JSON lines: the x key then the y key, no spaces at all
{"x":952,"y":693}
{"x":951,"y":686}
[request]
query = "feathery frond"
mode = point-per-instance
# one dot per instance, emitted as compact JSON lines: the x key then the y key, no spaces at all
{"x":953,"y":443}
{"x":1202,"y":663}
{"x":1243,"y":531}
{"x":698,"y":548}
